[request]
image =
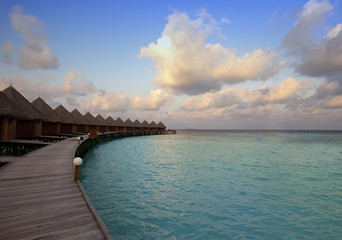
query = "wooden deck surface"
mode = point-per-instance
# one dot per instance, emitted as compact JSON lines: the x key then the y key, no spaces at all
{"x":39,"y":199}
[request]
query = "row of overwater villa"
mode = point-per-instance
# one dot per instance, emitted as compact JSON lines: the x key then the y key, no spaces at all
{"x":21,"y":119}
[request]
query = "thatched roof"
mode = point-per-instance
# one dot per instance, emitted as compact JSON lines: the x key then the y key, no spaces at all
{"x":79,"y":118}
{"x":90,"y":119}
{"x":161,"y":125}
{"x":110,"y":121}
{"x":66,"y":117}
{"x":119,"y":122}
{"x":145,"y":124}
{"x":8,"y":108}
{"x":101,"y":120}
{"x":137,"y":123}
{"x":45,"y":109}
{"x":153,"y":124}
{"x":31,"y":112}
{"x":129,"y":123}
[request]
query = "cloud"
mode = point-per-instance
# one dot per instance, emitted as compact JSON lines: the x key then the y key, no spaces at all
{"x":293,"y":104}
{"x":298,"y":38}
{"x":71,"y":91}
{"x":7,"y":49}
{"x":328,"y":89}
{"x":118,"y":101}
{"x":77,"y":91}
{"x":110,"y":101}
{"x":327,"y":96}
{"x":3,"y":83}
{"x":334,"y":32}
{"x":76,"y":84}
{"x":187,"y":64}
{"x":220,"y":99}
{"x":290,"y":90}
{"x":32,"y":89}
{"x":35,"y":54}
{"x":322,"y":59}
{"x":153,"y":102}
{"x":225,"y":20}
{"x":72,"y":101}
{"x":335,"y":102}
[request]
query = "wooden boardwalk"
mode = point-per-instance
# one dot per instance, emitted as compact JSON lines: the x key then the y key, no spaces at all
{"x":40,"y":200}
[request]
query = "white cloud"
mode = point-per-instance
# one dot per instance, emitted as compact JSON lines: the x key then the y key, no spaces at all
{"x":110,"y":101}
{"x":153,"y":102}
{"x":293,"y":104}
{"x":290,"y":90}
{"x":77,"y":91}
{"x":335,"y":102}
{"x":298,"y":38}
{"x":322,"y":59}
{"x":225,"y":20}
{"x":3,"y":83}
{"x":118,"y":101}
{"x":32,"y":89}
{"x":7,"y":49}
{"x":72,"y":90}
{"x":36,"y":54}
{"x":220,"y":99}
{"x":334,"y":32}
{"x":187,"y":64}
{"x":76,"y":84}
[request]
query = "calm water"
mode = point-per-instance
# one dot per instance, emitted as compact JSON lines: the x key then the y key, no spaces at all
{"x":219,"y":185}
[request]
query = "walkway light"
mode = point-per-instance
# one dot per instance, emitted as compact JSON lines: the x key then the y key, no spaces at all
{"x":77,"y":163}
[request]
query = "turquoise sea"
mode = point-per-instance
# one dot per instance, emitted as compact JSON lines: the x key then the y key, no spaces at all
{"x":219,"y":185}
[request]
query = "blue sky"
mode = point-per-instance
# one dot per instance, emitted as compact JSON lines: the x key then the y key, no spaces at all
{"x":190,"y":64}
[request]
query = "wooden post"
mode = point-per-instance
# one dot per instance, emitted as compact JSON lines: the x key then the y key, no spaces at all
{"x":77,"y":163}
{"x":77,"y":173}
{"x":5,"y":128}
{"x":38,"y":128}
{"x":58,"y":128}
{"x":73,"y":129}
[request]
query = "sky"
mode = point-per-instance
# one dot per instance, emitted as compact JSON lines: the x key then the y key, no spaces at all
{"x":190,"y":64}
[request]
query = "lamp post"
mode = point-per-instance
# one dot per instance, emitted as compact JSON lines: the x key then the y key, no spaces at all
{"x":77,"y":163}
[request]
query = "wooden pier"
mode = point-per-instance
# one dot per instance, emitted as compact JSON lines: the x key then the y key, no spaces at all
{"x":39,"y":199}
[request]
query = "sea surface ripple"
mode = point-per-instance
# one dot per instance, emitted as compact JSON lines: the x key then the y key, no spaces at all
{"x":219,"y":185}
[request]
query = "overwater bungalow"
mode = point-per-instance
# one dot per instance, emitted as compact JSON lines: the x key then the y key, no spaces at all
{"x":68,"y":125}
{"x":81,"y":122}
{"x":92,"y":122}
{"x":111,"y":124}
{"x":103,"y":125}
{"x":137,"y":126}
{"x":146,"y":126}
{"x":9,"y":113}
{"x":129,"y":125}
{"x":30,"y":126}
{"x":52,"y":124}
{"x":120,"y":125}
{"x":161,"y":127}
{"x":154,"y":127}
